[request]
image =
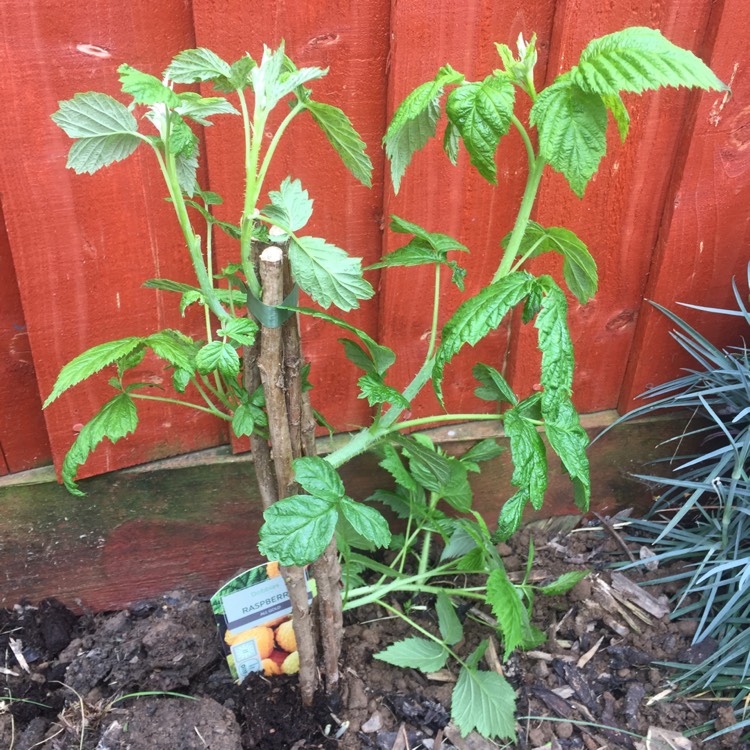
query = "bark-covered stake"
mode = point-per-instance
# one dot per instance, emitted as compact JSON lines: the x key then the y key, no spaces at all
{"x":307,"y":510}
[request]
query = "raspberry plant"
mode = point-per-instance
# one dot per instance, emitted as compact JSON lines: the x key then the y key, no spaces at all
{"x":252,"y":336}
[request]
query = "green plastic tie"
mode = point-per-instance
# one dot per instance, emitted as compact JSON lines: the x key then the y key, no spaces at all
{"x":271,"y":316}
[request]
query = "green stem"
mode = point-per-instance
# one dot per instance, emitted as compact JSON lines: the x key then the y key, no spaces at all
{"x":526,"y":140}
{"x":435,"y":313}
{"x":524,"y":212}
{"x":445,"y":418}
{"x":275,"y":142}
{"x":424,"y":557}
{"x":380,"y":591}
{"x":527,"y":254}
{"x":253,"y":133}
{"x":213,"y":410}
{"x":367,"y":437}
{"x":168,"y":168}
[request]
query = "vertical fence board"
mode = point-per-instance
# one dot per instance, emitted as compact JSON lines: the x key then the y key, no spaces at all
{"x":23,"y":435}
{"x":706,"y":230}
{"x":82,"y":245}
{"x":440,"y":197}
{"x":619,"y":215}
{"x":352,"y":41}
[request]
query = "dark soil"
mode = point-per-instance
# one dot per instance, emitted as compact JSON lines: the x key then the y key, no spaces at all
{"x":591,"y":685}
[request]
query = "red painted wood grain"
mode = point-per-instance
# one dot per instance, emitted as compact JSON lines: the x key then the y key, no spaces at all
{"x":456,"y":201}
{"x":352,"y":41}
{"x":706,"y":232}
{"x":83,"y":245}
{"x":23,"y":435}
{"x":619,"y":216}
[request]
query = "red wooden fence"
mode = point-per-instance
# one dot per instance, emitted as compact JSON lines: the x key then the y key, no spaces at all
{"x":666,"y":218}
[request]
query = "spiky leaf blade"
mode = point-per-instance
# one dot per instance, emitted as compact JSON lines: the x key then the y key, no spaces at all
{"x":485,"y":702}
{"x":116,"y":419}
{"x":482,"y":113}
{"x":415,"y":122}
{"x":476,"y":317}
{"x":341,"y":134}
{"x":90,"y":362}
{"x":328,"y":274}
{"x":640,"y":58}
{"x":572,"y":125}
{"x":415,"y":653}
{"x":105,"y":130}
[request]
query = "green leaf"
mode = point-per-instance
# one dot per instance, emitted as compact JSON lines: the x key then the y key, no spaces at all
{"x":198,"y":108}
{"x":186,"y":167}
{"x":579,"y":268}
{"x":105,"y":129}
{"x":194,"y":65}
{"x":481,"y":111}
{"x":243,"y":422}
{"x":450,"y":626}
{"x":145,"y":88}
{"x":564,"y":583}
{"x":440,"y":243}
{"x":562,"y":425}
{"x":476,"y":317}
{"x":382,"y":357}
{"x":460,"y":544}
{"x":529,"y":457}
{"x":639,"y":58}
{"x":218,"y":355}
{"x":328,"y":274}
{"x":181,"y":379}
{"x":418,"y":253}
{"x":242,"y":331}
{"x":484,"y":701}
{"x":344,"y":138}
{"x":511,"y":515}
{"x":274,"y":78}
{"x":619,"y":112}
{"x":415,"y":653}
{"x":494,"y":386}
{"x":444,"y":475}
{"x":90,"y":362}
{"x":572,"y":126}
{"x":290,"y":206}
{"x":376,"y":391}
{"x":511,"y":614}
{"x":394,"y":466}
{"x":319,"y":478}
{"x":366,"y":521}
{"x":415,"y":122}
{"x":297,"y":529}
{"x":472,"y":661}
{"x":484,"y":450}
{"x":116,"y":419}
{"x":450,"y":143}
{"x":239,"y":78}
{"x":174,"y":347}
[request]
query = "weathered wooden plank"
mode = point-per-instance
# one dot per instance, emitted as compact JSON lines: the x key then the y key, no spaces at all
{"x":141,"y":532}
{"x":82,"y":245}
{"x":23,"y":436}
{"x":352,"y":41}
{"x":706,"y":233}
{"x":458,"y":202}
{"x":620,"y":214}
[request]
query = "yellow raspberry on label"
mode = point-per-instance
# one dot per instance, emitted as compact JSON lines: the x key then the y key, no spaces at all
{"x":291,"y":664}
{"x":285,"y":636}
{"x":272,"y":569}
{"x":263,"y":637}
{"x":270,"y":667}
